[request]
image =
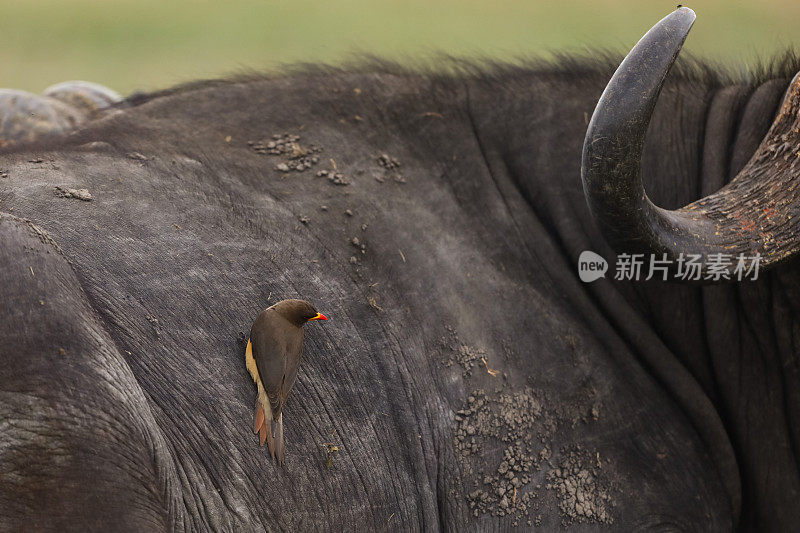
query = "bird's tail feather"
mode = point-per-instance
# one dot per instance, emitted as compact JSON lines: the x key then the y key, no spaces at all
{"x":263,"y":414}
{"x":280,"y":450}
{"x":270,"y":439}
{"x":259,"y":417}
{"x":263,"y":419}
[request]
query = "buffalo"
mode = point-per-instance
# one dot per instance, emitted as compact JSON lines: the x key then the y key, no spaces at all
{"x":467,"y":378}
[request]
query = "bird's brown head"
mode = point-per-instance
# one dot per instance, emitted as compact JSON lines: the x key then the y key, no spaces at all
{"x":298,"y":312}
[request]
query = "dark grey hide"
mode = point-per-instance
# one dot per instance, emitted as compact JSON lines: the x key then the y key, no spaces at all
{"x":124,"y":400}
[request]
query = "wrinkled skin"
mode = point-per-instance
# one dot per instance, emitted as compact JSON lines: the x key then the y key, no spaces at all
{"x":125,"y":399}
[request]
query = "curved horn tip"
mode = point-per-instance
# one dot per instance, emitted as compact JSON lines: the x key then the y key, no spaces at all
{"x":610,"y":168}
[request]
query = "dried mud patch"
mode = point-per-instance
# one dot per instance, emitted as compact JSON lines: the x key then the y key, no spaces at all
{"x":295,"y":157}
{"x":467,"y":357}
{"x":505,"y":441}
{"x":583,"y":492}
{"x":508,"y":421}
{"x":78,"y":194}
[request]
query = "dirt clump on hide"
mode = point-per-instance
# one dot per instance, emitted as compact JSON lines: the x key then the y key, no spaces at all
{"x":78,"y":194}
{"x":337,"y":178}
{"x":468,"y":357}
{"x":356,"y":242}
{"x":505,"y":444}
{"x":583,"y":496}
{"x":296,"y":157}
{"x":391,"y":168}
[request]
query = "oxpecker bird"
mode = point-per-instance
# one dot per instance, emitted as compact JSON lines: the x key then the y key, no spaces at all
{"x":272,"y":357}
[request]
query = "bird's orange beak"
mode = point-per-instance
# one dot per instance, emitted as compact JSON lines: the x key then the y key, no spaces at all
{"x":319,"y":316}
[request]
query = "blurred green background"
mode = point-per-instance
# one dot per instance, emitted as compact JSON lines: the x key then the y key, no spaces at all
{"x":151,"y":44}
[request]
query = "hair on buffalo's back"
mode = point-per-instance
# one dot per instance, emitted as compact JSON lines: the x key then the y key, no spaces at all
{"x":600,"y":63}
{"x":593,"y":68}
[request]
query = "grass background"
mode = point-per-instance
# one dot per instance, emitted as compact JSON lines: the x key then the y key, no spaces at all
{"x":151,"y":44}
